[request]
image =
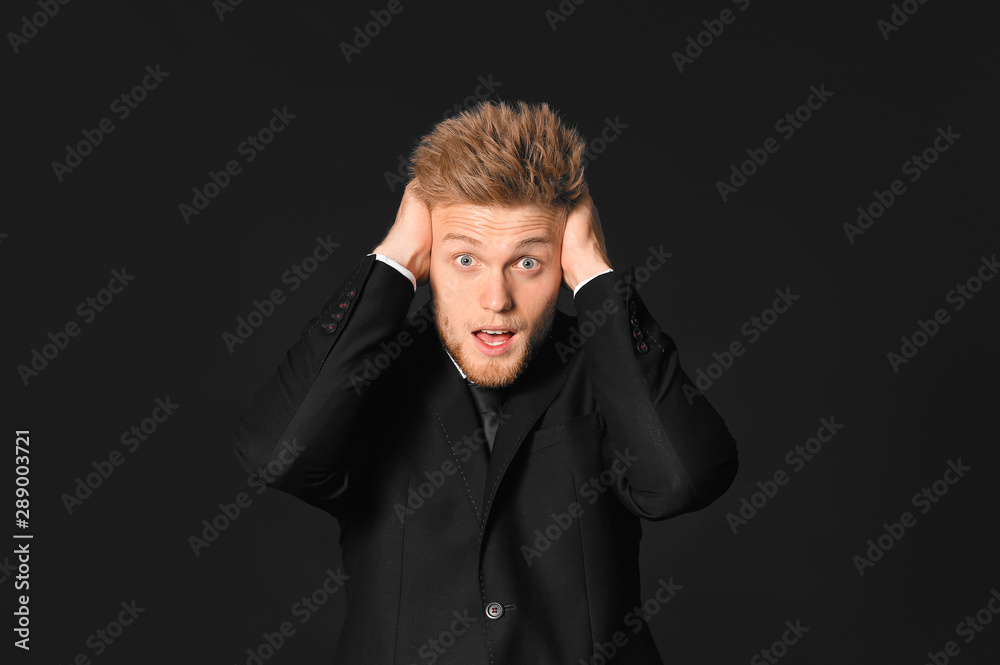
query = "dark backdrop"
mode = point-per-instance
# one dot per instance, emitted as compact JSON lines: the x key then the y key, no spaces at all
{"x":681,"y":125}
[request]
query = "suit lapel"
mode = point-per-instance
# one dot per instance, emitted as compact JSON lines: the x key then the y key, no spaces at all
{"x":449,"y":399}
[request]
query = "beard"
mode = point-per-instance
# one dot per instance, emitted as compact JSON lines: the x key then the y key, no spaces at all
{"x":495,"y":371}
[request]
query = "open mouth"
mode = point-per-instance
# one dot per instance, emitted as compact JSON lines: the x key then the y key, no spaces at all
{"x":492,"y":341}
{"x":494,"y":337}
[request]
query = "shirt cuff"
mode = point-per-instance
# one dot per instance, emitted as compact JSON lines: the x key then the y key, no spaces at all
{"x":398,"y":266}
{"x":588,"y":279}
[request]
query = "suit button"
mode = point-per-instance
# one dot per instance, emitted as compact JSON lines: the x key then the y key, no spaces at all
{"x":634,"y":321}
{"x":350,"y":294}
{"x":636,"y":333}
{"x":631,"y":307}
{"x":494,"y":610}
{"x":344,"y":305}
{"x":642,"y":347}
{"x":326,"y":323}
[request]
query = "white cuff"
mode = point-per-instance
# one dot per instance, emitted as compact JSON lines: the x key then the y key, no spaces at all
{"x":588,"y":279}
{"x":398,"y":266}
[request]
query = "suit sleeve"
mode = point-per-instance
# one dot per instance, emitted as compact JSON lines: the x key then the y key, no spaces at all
{"x":673,"y":451}
{"x":299,"y":433}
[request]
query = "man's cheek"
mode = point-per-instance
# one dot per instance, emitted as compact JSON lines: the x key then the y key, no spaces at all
{"x":448,"y":289}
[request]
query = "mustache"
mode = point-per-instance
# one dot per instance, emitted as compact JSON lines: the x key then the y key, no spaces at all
{"x":515,"y":325}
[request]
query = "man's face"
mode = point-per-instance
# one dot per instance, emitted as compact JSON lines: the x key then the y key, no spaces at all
{"x":495,"y":269}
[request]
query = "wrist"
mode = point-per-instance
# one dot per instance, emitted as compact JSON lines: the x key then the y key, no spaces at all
{"x":402,"y":256}
{"x":585,"y":270}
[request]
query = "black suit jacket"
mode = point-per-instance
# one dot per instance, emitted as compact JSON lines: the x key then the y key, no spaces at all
{"x":596,"y":434}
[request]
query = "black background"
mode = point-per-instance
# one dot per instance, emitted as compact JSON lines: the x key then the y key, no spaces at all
{"x":324,"y":175}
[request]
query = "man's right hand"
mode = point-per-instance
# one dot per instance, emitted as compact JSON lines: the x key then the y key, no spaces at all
{"x":409,"y":240}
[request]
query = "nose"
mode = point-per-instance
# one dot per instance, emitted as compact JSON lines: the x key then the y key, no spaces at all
{"x":495,"y":294}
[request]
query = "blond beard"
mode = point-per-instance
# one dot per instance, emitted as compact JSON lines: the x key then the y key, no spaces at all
{"x":496,"y":372}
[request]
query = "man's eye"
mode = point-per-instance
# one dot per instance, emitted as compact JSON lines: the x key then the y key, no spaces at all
{"x":465,"y":260}
{"x":532,"y":263}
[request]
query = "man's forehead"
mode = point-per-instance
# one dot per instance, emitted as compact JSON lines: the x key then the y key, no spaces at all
{"x":519,"y":243}
{"x":520,"y":226}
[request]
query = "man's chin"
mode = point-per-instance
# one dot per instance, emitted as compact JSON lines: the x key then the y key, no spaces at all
{"x":495,"y":371}
{"x":491,"y":371}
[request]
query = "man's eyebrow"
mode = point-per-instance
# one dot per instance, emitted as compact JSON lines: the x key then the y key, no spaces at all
{"x":533,"y":240}
{"x":524,"y":242}
{"x":460,"y":237}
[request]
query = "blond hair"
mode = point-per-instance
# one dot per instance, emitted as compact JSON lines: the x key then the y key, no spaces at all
{"x":499,"y":154}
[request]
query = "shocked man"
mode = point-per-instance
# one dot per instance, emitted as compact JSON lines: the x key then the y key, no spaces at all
{"x":489,"y":457}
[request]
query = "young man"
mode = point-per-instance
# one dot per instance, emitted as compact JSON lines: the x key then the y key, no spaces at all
{"x":489,"y":471}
